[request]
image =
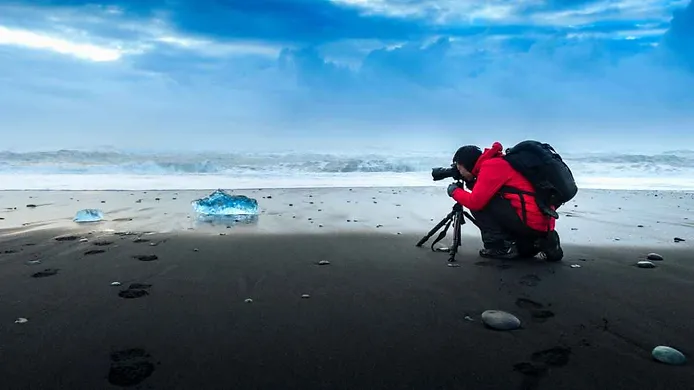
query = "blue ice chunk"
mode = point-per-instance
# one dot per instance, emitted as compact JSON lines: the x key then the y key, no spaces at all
{"x":89,"y":215}
{"x":221,"y":203}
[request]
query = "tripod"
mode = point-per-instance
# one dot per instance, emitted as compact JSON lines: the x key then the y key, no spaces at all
{"x":457,"y":218}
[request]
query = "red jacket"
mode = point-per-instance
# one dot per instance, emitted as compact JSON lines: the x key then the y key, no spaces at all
{"x":492,"y":173}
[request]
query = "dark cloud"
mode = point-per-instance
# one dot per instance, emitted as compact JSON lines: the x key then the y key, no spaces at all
{"x":307,"y":21}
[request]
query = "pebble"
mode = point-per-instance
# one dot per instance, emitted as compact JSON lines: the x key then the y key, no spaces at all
{"x":115,"y":283}
{"x":84,"y":240}
{"x":575,"y":266}
{"x":453,"y":265}
{"x":677,"y":239}
{"x":500,"y":320}
{"x":248,"y":300}
{"x":20,"y":320}
{"x":654,"y":257}
{"x":196,"y":249}
{"x":668,"y":355}
{"x":305,"y":296}
{"x":324,"y":262}
{"x":645,"y":264}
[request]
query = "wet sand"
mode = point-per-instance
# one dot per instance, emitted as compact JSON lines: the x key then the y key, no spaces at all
{"x":595,"y":217}
{"x":382,"y":315}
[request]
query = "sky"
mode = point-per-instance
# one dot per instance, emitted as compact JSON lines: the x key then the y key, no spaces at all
{"x":338,"y":74}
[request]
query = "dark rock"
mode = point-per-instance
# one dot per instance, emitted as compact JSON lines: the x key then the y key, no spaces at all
{"x":654,"y":257}
{"x":67,"y":238}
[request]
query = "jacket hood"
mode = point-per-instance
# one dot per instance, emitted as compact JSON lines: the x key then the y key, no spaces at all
{"x":495,"y":151}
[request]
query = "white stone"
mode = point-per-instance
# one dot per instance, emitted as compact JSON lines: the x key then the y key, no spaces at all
{"x":500,"y":320}
{"x":668,"y":355}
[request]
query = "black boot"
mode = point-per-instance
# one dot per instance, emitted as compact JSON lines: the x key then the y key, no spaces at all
{"x":506,"y":252}
{"x":550,"y":246}
{"x":527,"y":249}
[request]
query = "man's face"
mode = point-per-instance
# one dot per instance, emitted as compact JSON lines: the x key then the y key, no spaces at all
{"x":464,"y":172}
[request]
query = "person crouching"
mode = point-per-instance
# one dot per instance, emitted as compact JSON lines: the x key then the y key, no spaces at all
{"x":510,"y":221}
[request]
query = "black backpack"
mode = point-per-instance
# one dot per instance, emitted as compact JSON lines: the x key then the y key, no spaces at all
{"x":544,"y":168}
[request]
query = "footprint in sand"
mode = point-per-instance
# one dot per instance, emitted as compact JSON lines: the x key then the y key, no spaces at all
{"x":94,"y":252}
{"x":539,"y":364}
{"x":536,"y":309}
{"x":135,"y":290}
{"x":530,"y":280}
{"x":146,"y":257}
{"x":130,"y":367}
{"x":45,"y":273}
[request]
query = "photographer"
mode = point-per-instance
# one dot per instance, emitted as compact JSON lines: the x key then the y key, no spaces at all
{"x":500,"y":198}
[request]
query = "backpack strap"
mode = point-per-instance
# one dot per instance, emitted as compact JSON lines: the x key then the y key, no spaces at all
{"x":521,"y":195}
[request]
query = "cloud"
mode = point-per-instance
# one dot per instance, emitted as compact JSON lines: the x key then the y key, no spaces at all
{"x":40,"y":41}
{"x":204,"y":74}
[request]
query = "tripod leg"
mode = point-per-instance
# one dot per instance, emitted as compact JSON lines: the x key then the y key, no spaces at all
{"x":436,"y":228}
{"x":458,"y":218}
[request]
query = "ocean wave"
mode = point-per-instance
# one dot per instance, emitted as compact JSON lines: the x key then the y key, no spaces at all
{"x":68,"y":161}
{"x":111,"y":162}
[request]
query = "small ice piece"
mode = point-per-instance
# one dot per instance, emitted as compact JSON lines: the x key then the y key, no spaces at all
{"x":222,"y":203}
{"x":248,"y":300}
{"x":115,"y":283}
{"x":324,"y":262}
{"x":89,"y":215}
{"x":575,"y":266}
{"x":20,"y":320}
{"x":84,"y":240}
{"x":305,"y":296}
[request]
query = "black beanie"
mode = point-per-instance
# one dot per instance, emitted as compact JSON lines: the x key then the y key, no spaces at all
{"x":467,"y":156}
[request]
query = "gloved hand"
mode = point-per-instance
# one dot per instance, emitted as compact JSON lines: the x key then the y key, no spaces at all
{"x":452,"y":187}
{"x":470,"y":184}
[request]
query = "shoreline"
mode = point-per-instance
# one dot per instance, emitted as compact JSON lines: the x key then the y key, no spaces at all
{"x":437,"y":184}
{"x":595,"y":217}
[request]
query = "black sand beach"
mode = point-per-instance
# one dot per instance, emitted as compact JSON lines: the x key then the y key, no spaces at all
{"x":382,"y":315}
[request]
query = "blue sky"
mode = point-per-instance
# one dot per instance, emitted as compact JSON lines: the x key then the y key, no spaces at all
{"x":331,"y":74}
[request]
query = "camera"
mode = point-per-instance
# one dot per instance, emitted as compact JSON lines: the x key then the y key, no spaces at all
{"x":444,"y":173}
